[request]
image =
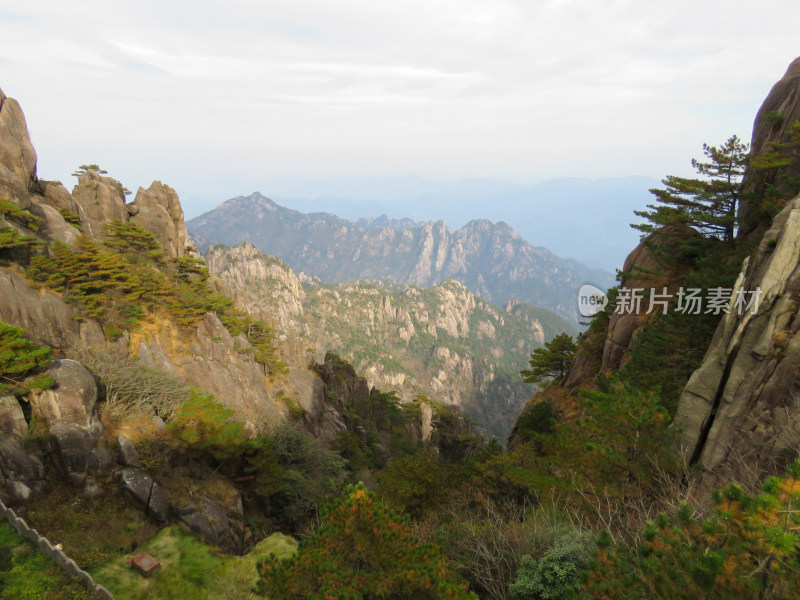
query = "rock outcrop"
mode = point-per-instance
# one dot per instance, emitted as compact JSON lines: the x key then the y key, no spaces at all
{"x":642,"y":270}
{"x":17,"y":155}
{"x":68,"y":410}
{"x":159,"y":210}
{"x":100,"y":200}
{"x":741,"y":405}
{"x":211,"y":358}
{"x":146,"y":493}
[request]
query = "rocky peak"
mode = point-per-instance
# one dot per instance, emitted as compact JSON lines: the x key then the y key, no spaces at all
{"x":492,"y":260}
{"x":101,"y":200}
{"x":158,"y":210}
{"x":17,"y":155}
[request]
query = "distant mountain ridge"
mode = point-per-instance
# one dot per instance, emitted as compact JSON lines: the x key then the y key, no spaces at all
{"x":490,"y":259}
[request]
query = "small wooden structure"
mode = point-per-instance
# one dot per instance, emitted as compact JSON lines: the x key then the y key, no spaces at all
{"x":144,"y":563}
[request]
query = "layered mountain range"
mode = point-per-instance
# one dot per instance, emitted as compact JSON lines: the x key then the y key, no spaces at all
{"x":490,"y":259}
{"x":442,"y":342}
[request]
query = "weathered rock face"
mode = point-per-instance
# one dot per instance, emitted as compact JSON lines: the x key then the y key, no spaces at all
{"x":210,"y":521}
{"x":53,"y":225}
{"x":12,"y":419}
{"x":245,"y":272}
{"x":213,"y":360}
{"x":779,"y":111}
{"x":21,"y":475}
{"x":68,"y":409}
{"x":741,"y":404}
{"x":17,"y":156}
{"x":46,"y":318}
{"x":158,"y":210}
{"x":622,"y":328}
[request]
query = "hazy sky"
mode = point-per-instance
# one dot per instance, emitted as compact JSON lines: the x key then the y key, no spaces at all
{"x":218,"y":99}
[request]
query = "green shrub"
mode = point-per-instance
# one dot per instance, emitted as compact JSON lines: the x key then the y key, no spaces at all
{"x":557,"y":573}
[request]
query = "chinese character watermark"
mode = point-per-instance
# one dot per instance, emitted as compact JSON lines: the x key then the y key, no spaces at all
{"x":689,"y":301}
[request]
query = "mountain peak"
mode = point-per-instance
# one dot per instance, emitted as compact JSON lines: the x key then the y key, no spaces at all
{"x":490,"y":259}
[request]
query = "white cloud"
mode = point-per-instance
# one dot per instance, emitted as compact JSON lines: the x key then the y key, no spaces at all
{"x":199,"y":93}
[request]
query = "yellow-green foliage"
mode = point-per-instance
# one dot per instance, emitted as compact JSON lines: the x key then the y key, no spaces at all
{"x":746,"y":549}
{"x":191,"y":570}
{"x":204,"y":425}
{"x":12,"y":212}
{"x":70,"y":217}
{"x":125,"y":276}
{"x":11,"y":239}
{"x":362,"y":549}
{"x":20,"y":358}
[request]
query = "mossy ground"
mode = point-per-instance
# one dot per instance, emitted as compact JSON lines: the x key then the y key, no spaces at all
{"x":190,"y":569}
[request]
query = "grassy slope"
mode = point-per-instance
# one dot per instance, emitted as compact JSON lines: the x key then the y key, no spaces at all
{"x":27,"y":575}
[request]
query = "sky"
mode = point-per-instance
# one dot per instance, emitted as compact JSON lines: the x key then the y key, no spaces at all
{"x":221,"y":99}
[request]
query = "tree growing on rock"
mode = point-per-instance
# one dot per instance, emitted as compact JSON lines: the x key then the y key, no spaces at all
{"x":708,"y":203}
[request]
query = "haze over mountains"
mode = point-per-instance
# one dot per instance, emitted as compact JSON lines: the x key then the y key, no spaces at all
{"x":491,"y":259}
{"x":580,"y":218}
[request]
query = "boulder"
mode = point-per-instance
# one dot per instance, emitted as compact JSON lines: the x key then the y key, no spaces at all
{"x":146,"y":492}
{"x":16,"y":464}
{"x":72,"y":398}
{"x":74,"y":445}
{"x":127,"y":452}
{"x":210,"y":522}
{"x":57,"y":196}
{"x":21,"y":475}
{"x":53,"y":226}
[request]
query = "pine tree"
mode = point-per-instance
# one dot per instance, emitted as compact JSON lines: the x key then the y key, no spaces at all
{"x":552,"y":361}
{"x":19,"y":357}
{"x":709,"y":204}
